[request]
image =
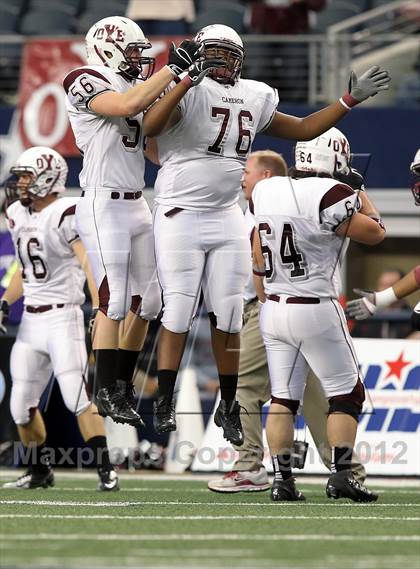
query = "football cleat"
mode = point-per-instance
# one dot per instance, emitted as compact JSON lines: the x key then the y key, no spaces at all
{"x":241,"y":481}
{"x":344,"y":485}
{"x":286,"y":491}
{"x":230,"y":421}
{"x":30,"y":480}
{"x":108,"y":480}
{"x":164,"y":415}
{"x":111,"y":402}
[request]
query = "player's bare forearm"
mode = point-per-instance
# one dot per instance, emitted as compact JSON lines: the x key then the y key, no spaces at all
{"x":80,"y":252}
{"x":408,"y":284}
{"x":368,"y":207}
{"x":306,"y":128}
{"x":15,"y":289}
{"x":151,"y":152}
{"x":136,"y":99}
{"x":258,"y":266}
{"x":362,"y":229}
{"x":164,"y":113}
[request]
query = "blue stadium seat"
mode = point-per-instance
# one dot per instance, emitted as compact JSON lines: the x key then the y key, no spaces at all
{"x":46,"y":23}
{"x":71,"y":7}
{"x":8,"y":19}
{"x":227,"y":13}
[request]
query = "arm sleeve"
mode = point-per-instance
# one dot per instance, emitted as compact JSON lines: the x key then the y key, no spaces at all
{"x":337,"y":206}
{"x":67,"y":225}
{"x":83,"y":85}
{"x":269,"y":106}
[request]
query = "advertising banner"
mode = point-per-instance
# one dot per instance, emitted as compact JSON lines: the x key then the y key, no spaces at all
{"x":388,"y":436}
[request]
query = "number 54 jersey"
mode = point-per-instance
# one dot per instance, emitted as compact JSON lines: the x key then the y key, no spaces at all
{"x":112,"y":147}
{"x":43,"y":242}
{"x":296,"y":220}
{"x":203,"y":155}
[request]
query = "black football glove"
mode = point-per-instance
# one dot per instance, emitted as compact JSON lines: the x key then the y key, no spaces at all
{"x":4,"y":315}
{"x":183,"y":56}
{"x":415,"y":317}
{"x":201,"y":68}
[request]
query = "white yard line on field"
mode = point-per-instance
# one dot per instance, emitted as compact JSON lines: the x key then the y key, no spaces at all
{"x":201,"y":490}
{"x":280,"y":517}
{"x":55,"y":503}
{"x":207,"y":537}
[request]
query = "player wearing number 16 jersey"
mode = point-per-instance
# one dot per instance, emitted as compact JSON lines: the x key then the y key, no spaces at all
{"x":105,"y":102}
{"x":204,"y":134}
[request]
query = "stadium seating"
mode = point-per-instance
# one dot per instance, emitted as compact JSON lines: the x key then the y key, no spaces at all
{"x":228,"y":13}
{"x":41,"y":22}
{"x":71,"y":7}
{"x":334,"y":13}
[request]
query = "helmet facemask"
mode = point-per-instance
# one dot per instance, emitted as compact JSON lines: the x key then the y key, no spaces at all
{"x":232,"y":54}
{"x":415,"y":187}
{"x":134,"y":64}
{"x":36,"y":186}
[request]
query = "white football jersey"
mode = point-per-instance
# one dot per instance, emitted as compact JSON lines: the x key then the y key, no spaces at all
{"x":296,"y":220}
{"x":112,"y":147}
{"x":43,"y":242}
{"x":202,"y":157}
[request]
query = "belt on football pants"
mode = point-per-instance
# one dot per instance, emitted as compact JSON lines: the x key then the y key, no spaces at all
{"x":295,"y":299}
{"x":44,"y":308}
{"x":122,"y":195}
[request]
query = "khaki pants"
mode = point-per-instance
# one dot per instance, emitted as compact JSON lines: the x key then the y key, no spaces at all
{"x":254,"y":391}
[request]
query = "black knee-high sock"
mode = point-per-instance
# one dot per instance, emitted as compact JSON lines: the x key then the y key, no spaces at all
{"x":166,"y":382}
{"x":105,"y":368}
{"x":341,"y":458}
{"x":100,"y":452}
{"x":281,"y":466}
{"x":228,"y":385}
{"x":126,"y":364}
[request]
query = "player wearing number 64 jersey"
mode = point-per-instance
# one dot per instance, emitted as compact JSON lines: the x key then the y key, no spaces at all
{"x":105,"y":101}
{"x":302,"y":223}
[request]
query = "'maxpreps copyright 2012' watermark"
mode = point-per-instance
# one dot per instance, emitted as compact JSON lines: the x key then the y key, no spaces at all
{"x":184,"y":452}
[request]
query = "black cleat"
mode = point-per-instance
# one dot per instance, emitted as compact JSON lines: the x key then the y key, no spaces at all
{"x":108,"y":480}
{"x":112,"y":402}
{"x":164,"y":415}
{"x":286,"y":491}
{"x":343,"y":485}
{"x":230,"y":421}
{"x":31,"y":479}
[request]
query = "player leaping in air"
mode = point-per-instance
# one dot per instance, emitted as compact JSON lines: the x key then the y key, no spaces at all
{"x":205,"y":127}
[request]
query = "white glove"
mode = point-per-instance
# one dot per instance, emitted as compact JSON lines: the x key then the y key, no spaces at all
{"x":362,"y":308}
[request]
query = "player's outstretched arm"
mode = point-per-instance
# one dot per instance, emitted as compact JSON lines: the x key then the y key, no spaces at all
{"x":139,"y":98}
{"x":80,"y":252}
{"x":360,"y":88}
{"x":13,"y":292}
{"x":136,"y":99}
{"x":164,"y":114}
{"x":371,"y":301}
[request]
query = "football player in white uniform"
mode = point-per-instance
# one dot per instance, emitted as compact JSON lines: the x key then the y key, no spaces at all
{"x":105,"y":101}
{"x":204,"y":136}
{"x":303,"y":224}
{"x":51,"y":336}
{"x":371,"y":301}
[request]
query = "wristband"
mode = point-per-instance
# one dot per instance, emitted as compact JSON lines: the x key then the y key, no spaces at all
{"x":385,"y":297}
{"x":348,"y":101}
{"x":187,"y":81}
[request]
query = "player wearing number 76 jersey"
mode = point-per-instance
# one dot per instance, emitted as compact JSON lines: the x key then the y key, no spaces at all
{"x":105,"y":101}
{"x":204,"y":132}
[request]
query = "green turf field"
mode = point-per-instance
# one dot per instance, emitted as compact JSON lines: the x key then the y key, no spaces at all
{"x":161,"y":523}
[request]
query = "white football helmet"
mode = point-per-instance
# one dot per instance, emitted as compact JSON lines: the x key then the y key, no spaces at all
{"x":118,"y":43}
{"x":48,"y":168}
{"x":415,"y":169}
{"x":326,"y":154}
{"x":222,"y":42}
